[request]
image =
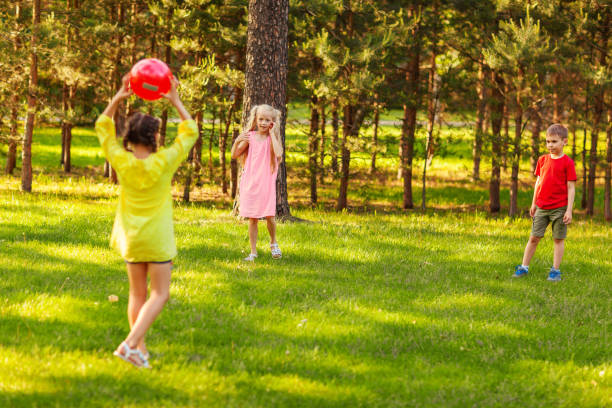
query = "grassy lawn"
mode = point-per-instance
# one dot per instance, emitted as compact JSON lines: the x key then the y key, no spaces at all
{"x":364,"y":309}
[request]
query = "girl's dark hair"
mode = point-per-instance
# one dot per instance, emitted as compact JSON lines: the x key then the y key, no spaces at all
{"x":141,"y":129}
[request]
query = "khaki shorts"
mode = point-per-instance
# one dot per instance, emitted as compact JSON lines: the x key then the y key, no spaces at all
{"x":543,"y":217}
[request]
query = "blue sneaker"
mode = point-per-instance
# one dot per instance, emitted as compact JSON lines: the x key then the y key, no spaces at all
{"x":554,"y":275}
{"x":520,"y":271}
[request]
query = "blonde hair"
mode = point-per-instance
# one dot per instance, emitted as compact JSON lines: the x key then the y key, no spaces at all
{"x":277,"y":145}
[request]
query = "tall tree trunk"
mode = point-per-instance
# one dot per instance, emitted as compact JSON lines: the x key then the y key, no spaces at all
{"x":163,"y":128}
{"x":197,"y":154}
{"x":432,"y":113}
{"x":210,"y":148}
{"x":516,"y":156}
{"x":234,"y":166}
{"x":583,"y":201}
{"x":535,"y":139}
{"x":11,"y":155}
{"x":608,"y":177}
{"x":556,"y":97}
{"x":334,"y":145}
{"x":598,"y":110}
{"x":322,"y":150}
{"x":409,"y":121}
{"x":351,"y":123}
{"x":313,"y":147}
{"x":26,"y":152}
{"x":266,"y":74}
{"x":506,"y":125}
{"x":375,"y":136}
{"x":223,"y":133}
{"x":480,"y":111}
{"x":496,"y":110}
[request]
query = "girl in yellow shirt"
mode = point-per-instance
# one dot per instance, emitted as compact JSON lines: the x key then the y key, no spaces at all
{"x":143,"y":232}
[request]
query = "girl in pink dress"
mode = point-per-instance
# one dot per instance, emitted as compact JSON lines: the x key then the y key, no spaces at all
{"x":259,"y":149}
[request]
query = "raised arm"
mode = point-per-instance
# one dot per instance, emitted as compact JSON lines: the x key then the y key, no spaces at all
{"x":175,"y":100}
{"x":121,"y":94}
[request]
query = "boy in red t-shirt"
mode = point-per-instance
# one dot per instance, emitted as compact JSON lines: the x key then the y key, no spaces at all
{"x":553,"y":199}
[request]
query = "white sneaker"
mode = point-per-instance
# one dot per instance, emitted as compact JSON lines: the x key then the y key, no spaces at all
{"x":250,"y":258}
{"x":275,"y":250}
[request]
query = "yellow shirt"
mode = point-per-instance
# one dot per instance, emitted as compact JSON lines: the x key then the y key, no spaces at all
{"x":143,"y":229}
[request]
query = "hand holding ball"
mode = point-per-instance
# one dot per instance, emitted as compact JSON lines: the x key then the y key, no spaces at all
{"x":150,"y":79}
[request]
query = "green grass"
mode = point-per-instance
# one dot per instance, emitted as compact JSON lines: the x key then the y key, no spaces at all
{"x":367,"y":310}
{"x":370,"y":307}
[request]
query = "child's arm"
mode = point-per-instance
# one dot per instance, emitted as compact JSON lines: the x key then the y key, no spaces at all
{"x":121,"y":94}
{"x":175,"y":100}
{"x":571,"y":193}
{"x":533,"y":208}
{"x":240,"y":145}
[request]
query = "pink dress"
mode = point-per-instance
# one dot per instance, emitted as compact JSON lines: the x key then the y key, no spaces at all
{"x":258,"y":182}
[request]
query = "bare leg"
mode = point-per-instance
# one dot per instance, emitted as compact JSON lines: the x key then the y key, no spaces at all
{"x":137,"y":275}
{"x":271,"y":221}
{"x":530,"y":249}
{"x":160,"y":293}
{"x":558,"y":252}
{"x":253,"y":234}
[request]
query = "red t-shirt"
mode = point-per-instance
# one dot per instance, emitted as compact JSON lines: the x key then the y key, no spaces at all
{"x":554,"y":175}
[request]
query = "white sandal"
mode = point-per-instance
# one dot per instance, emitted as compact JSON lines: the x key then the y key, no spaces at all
{"x":275,"y":250}
{"x":129,"y":352}
{"x":251,"y":258}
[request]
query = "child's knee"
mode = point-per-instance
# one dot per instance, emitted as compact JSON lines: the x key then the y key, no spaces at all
{"x":559,"y":240}
{"x":534,"y":240}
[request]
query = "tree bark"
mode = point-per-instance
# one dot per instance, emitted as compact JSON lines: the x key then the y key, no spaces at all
{"x":351,"y":123}
{"x":210,"y":148}
{"x":409,"y":122}
{"x":432,"y":113}
{"x":608,"y":177}
{"x":516,"y":155}
{"x":266,"y":74}
{"x":26,"y":152}
{"x":11,"y":155}
{"x":313,"y":147}
{"x":322,"y":145}
{"x":496,"y":110}
{"x":598,"y":110}
{"x":583,"y":201}
{"x":334,"y":145}
{"x":479,"y":131}
{"x":234,"y":167}
{"x":163,"y":128}
{"x":375,"y":137}
{"x":535,"y":139}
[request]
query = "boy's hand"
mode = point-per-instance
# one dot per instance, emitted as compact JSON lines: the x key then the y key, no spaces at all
{"x":532,"y":210}
{"x":567,"y":217}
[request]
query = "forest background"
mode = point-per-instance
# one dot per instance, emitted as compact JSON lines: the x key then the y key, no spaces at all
{"x":384,"y":86}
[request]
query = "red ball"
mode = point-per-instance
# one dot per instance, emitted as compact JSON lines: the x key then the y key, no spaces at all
{"x":150,"y":78}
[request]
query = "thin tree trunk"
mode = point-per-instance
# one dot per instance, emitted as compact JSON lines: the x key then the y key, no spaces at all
{"x":608,"y":177}
{"x":432,"y":113}
{"x":479,"y":131}
{"x":375,"y":136}
{"x":506,"y":125}
{"x":313,"y":147}
{"x":234,"y":166}
{"x":266,"y":75}
{"x":334,"y":146}
{"x":535,"y":140}
{"x":26,"y":152}
{"x":198,"y":147}
{"x":409,"y":124}
{"x":516,"y":156}
{"x":210,"y":148}
{"x":163,"y":128}
{"x":351,"y":123}
{"x":11,"y":155}
{"x":223,"y":146}
{"x":583,"y":201}
{"x":496,"y":114}
{"x":322,"y":149}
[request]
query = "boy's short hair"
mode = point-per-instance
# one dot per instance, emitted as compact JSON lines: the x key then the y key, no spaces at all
{"x":557,"y":130}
